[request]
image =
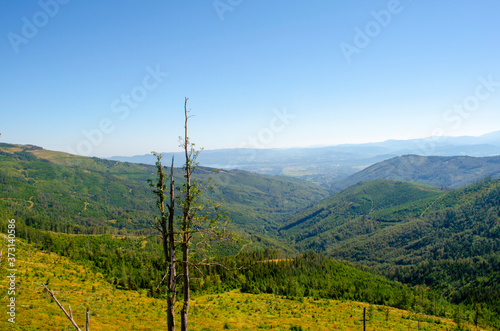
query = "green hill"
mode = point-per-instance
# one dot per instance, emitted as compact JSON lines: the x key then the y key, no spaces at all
{"x":418,"y":234}
{"x":455,"y":224}
{"x":448,"y":240}
{"x":67,"y":193}
{"x":441,"y":171}
{"x":346,"y":214}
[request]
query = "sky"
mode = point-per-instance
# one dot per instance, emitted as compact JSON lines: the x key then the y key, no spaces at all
{"x":106,"y":78}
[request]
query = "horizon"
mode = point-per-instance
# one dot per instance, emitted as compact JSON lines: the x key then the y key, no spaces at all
{"x":437,"y":140}
{"x":108,"y":79}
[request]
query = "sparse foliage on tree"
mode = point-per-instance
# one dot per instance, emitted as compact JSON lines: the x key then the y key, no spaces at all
{"x":187,"y":233}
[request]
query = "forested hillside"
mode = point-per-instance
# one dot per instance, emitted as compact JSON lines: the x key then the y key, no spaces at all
{"x":448,"y":240}
{"x":345,"y":214}
{"x":293,"y":238}
{"x":72,"y":194}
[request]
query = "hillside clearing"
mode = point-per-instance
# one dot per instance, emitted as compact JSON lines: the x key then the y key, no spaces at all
{"x":113,"y":309}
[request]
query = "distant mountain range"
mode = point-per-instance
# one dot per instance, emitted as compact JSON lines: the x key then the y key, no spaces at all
{"x":326,"y":165}
{"x":442,"y":171}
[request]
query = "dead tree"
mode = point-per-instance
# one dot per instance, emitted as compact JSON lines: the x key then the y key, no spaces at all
{"x":199,"y":219}
{"x":70,"y":314}
{"x":165,"y":224}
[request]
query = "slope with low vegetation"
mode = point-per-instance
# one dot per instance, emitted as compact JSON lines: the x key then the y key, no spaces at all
{"x":115,"y":309}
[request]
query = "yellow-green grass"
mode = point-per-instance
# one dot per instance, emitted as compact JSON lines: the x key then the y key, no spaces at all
{"x":113,"y":309}
{"x":12,"y":148}
{"x":59,"y":157}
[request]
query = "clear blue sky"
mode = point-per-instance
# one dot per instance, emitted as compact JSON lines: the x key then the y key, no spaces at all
{"x":107,"y":78}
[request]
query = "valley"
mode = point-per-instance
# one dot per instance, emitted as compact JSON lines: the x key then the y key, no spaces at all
{"x":250,"y":165}
{"x":332,"y":166}
{"x":418,"y":234}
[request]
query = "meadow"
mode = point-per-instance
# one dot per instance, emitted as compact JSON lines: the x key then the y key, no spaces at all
{"x":114,"y":309}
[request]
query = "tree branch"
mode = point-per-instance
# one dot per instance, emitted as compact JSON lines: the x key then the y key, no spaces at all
{"x":69,"y":316}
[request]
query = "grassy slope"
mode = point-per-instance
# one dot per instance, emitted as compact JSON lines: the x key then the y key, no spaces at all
{"x":113,"y":309}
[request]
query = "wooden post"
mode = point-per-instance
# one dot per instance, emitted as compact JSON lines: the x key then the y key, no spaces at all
{"x":364,"y":319}
{"x":87,"y":322}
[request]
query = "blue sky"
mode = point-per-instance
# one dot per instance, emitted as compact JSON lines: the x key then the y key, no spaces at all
{"x":109,"y":78}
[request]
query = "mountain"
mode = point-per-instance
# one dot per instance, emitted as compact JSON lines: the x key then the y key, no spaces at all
{"x":324,"y":165}
{"x":452,"y":246}
{"x":444,"y":239}
{"x":447,"y":240}
{"x":67,"y":193}
{"x":344,"y":215}
{"x":385,"y":220}
{"x":318,"y":165}
{"x":442,"y":171}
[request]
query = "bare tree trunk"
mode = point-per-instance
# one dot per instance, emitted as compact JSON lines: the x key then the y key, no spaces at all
{"x":186,"y":224}
{"x":185,"y":306}
{"x":364,"y":319}
{"x":68,"y":315}
{"x":166,"y":227}
{"x":171,"y":295}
